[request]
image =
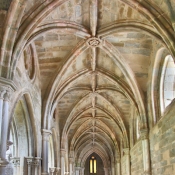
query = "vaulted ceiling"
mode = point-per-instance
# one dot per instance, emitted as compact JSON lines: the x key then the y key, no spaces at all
{"x":95,"y":66}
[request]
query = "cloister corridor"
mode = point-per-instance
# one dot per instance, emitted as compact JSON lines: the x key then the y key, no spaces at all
{"x":87,"y":87}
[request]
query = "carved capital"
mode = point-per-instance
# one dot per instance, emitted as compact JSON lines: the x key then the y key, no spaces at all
{"x":36,"y":161}
{"x":71,"y":160}
{"x":144,"y":134}
{"x":57,"y":169}
{"x":29,"y":160}
{"x":2,"y":92}
{"x":52,"y":170}
{"x":62,"y":152}
{"x":126,"y":151}
{"x":117,"y":159}
{"x":15,"y":161}
{"x":45,"y":134}
{"x":7,"y":96}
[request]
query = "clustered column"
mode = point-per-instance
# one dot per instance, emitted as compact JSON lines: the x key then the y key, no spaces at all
{"x":146,"y":151}
{"x":45,"y":140}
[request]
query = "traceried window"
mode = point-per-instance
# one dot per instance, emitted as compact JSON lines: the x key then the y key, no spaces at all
{"x":93,"y":165}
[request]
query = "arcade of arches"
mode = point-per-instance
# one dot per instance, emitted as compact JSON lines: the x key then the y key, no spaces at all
{"x":87,"y":87}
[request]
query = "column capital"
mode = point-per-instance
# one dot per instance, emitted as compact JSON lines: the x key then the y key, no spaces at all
{"x":57,"y":169}
{"x":126,"y":151}
{"x":52,"y":170}
{"x":62,"y":152}
{"x":6,"y":86}
{"x":117,"y":160}
{"x":2,"y":92}
{"x":29,"y":160}
{"x":45,"y":134}
{"x":15,"y":161}
{"x":7,"y":96}
{"x":71,"y":159}
{"x":36,"y":161}
{"x":143,"y":134}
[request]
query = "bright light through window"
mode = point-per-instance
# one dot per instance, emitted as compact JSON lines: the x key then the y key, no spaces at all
{"x":93,"y":165}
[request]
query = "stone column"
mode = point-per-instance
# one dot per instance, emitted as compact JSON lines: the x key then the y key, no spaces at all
{"x":16,"y":164}
{"x":127,"y":155}
{"x":82,"y":171}
{"x":4,"y":125}
{"x":62,"y":153}
{"x":112,"y":168}
{"x":146,"y":151}
{"x":106,"y":171}
{"x":70,"y":166}
{"x":51,"y":171}
{"x":77,"y":170}
{"x":36,"y":165}
{"x":45,"y":140}
{"x":2,"y":92}
{"x":118,"y":166}
{"x":29,"y":161}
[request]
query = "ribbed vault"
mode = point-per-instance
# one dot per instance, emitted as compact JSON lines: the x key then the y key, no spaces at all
{"x":94,"y":59}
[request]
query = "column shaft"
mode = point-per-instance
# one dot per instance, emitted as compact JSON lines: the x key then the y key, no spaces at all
{"x":146,"y":152}
{"x":127,"y":156}
{"x":45,"y":140}
{"x":4,"y":127}
{"x":118,"y":168}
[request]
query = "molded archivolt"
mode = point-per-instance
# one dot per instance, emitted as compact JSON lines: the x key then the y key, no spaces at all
{"x":21,"y":131}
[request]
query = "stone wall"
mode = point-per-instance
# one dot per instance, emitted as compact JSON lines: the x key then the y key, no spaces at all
{"x":162,"y":144}
{"x":136,"y":159}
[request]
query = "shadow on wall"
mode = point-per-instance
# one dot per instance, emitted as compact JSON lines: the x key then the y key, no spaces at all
{"x":5,"y":4}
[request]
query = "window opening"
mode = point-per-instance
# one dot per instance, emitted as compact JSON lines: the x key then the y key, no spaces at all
{"x":93,"y":165}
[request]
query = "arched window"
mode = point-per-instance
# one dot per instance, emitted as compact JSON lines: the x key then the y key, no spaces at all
{"x":93,"y":165}
{"x":167,"y":82}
